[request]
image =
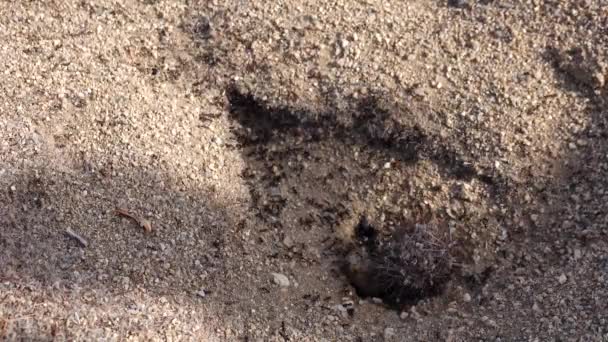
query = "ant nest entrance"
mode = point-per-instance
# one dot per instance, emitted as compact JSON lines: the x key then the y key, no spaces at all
{"x":410,"y":265}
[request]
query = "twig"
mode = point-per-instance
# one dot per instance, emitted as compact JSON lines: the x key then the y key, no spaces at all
{"x":69,"y":232}
{"x":142,"y":222}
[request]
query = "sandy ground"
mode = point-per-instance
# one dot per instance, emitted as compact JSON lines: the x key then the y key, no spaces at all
{"x":251,"y":136}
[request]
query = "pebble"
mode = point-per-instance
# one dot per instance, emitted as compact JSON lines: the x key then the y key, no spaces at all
{"x":414,"y":313}
{"x":466,"y":297}
{"x":534,"y":218}
{"x":342,"y":310}
{"x":464,"y":192}
{"x":489,"y":322}
{"x":280,"y":279}
{"x":288,"y":242}
{"x":562,"y":279}
{"x":389,"y":333}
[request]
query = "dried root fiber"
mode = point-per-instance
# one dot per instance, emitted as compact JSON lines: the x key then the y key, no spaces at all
{"x":401,"y":269}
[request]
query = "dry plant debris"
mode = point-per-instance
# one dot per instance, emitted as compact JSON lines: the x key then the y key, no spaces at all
{"x":142,"y":222}
{"x":82,"y":241}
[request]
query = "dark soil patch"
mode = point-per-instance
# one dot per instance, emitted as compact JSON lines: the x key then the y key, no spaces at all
{"x":313,"y":174}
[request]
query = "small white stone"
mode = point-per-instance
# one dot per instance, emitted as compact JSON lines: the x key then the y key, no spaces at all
{"x":342,"y":310}
{"x":534,"y":218}
{"x":280,"y":279}
{"x":466,"y":297}
{"x":288,"y":242}
{"x":389,"y":333}
{"x":562,"y":279}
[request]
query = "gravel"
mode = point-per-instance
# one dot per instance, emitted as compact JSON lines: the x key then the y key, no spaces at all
{"x":252,"y":136}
